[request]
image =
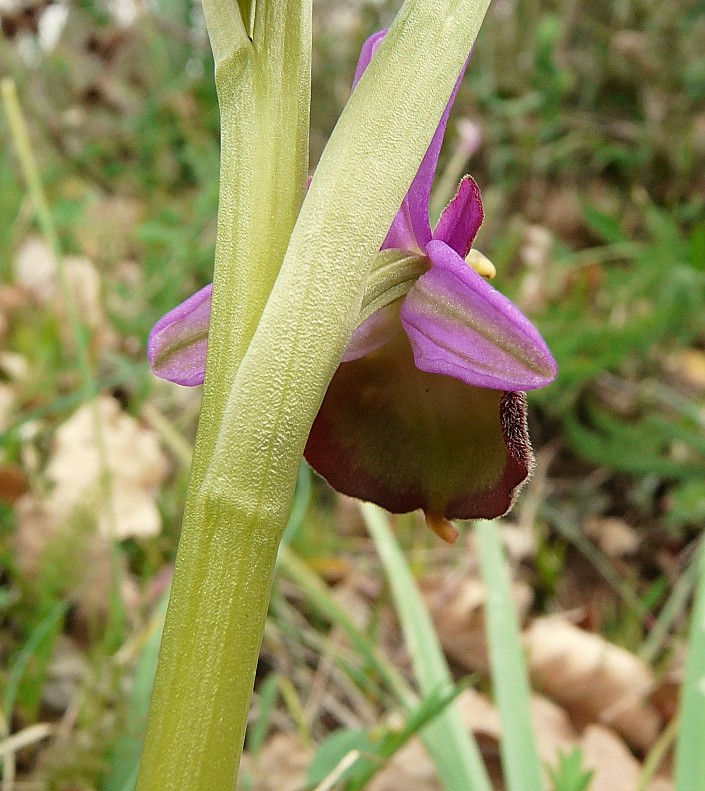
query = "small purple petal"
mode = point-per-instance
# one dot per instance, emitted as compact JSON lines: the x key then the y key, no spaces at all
{"x":460,"y":326}
{"x":404,"y":233}
{"x":461,"y":219}
{"x":178,"y":341}
{"x":411,"y":229}
{"x":367,"y":52}
{"x":413,"y":214}
{"x":373,"y":333}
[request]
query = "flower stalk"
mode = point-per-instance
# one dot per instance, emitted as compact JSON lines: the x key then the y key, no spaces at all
{"x":222,"y":579}
{"x":277,"y":336}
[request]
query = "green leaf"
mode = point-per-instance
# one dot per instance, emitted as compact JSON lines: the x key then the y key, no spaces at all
{"x":334,"y":749}
{"x":268,"y":695}
{"x":604,"y":225}
{"x":124,"y":758}
{"x":570,"y":775}
{"x":685,"y":503}
{"x":394,"y":739}
{"x":696,"y":248}
{"x":690,"y":755}
{"x":520,"y":759}
{"x":374,"y":748}
{"x":28,"y":669}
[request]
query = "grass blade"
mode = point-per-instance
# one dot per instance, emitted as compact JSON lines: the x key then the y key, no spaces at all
{"x":458,"y":758}
{"x":124,"y":759}
{"x":690,"y":755}
{"x":47,"y":629}
{"x":323,"y":603}
{"x":327,"y":607}
{"x":520,"y":760}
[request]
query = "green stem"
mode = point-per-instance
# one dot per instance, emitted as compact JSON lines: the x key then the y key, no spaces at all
{"x":657,"y":754}
{"x":30,"y":172}
{"x":225,"y":562}
{"x":209,"y":653}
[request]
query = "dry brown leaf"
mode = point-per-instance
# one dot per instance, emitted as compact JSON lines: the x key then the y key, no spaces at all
{"x":614,"y":767}
{"x":14,"y":366}
{"x":13,"y":482}
{"x":134,"y":460}
{"x":689,"y":366}
{"x":35,"y":269}
{"x":519,"y":539}
{"x":355,"y":594}
{"x":615,"y":537}
{"x":410,"y":768}
{"x":457,"y":608}
{"x":84,"y":282}
{"x":64,"y":538}
{"x":70,"y":558}
{"x":11,"y":300}
{"x":456,"y":602}
{"x":553,"y":729}
{"x":36,"y":272}
{"x":595,"y":681}
{"x":281,"y":765}
{"x":65,"y":675}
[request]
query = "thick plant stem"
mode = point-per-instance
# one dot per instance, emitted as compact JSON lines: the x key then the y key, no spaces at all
{"x":227,"y":551}
{"x":209,"y":653}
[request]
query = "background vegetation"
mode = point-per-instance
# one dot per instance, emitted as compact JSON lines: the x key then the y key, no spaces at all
{"x":584,"y":125}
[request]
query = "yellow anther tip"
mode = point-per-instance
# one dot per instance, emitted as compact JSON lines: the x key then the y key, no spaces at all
{"x":481,"y":264}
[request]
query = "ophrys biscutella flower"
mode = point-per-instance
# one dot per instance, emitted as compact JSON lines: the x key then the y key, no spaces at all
{"x":427,"y":408}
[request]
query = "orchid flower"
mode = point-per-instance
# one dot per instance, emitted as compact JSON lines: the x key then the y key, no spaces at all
{"x":427,"y":408}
